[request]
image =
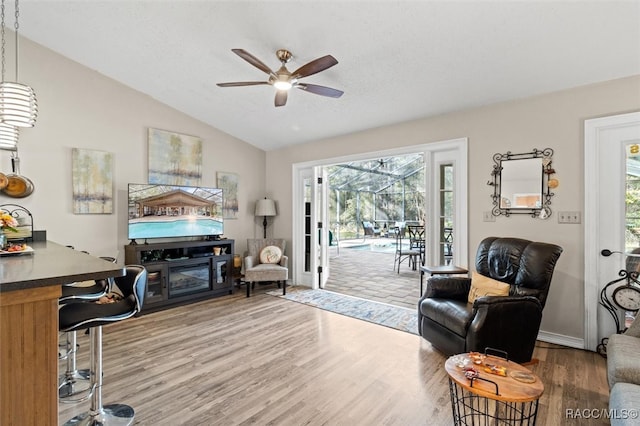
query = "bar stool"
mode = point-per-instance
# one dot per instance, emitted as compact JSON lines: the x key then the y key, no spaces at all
{"x":68,"y":383}
{"x":76,"y":316}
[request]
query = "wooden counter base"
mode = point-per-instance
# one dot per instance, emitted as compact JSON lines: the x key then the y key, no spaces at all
{"x":30,"y":286}
{"x":29,"y":369}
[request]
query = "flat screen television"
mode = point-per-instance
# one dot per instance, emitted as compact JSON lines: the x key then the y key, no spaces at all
{"x":167,"y":211}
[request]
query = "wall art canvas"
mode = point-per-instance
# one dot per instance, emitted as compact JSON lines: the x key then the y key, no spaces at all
{"x":174,"y":159}
{"x":229,"y":184}
{"x":92,"y":175}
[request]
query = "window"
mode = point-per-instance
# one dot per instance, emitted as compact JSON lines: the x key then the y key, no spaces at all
{"x":632,"y":198}
{"x":446,"y":214}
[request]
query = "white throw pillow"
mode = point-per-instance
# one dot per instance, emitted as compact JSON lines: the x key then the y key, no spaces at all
{"x":270,"y":254}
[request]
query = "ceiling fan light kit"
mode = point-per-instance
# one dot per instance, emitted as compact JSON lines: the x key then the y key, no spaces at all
{"x":283,"y":80}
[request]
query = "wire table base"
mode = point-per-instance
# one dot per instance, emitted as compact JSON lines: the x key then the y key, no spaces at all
{"x":471,"y":409}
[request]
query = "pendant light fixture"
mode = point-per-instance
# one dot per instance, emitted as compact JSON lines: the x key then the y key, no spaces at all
{"x":8,"y":137}
{"x":18,"y":104}
{"x":8,"y":133}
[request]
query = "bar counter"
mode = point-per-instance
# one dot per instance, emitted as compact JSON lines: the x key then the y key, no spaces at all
{"x":30,"y":286}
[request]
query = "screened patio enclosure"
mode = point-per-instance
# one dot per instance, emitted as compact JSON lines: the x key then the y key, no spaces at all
{"x":419,"y":185}
{"x":382,"y":191}
{"x":389,"y":191}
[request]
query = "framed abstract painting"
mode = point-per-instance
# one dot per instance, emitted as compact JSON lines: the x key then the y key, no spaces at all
{"x":92,"y":176}
{"x":174,"y":159}
{"x":228,"y":182}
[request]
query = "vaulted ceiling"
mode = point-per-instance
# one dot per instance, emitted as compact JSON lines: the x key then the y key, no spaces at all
{"x":398,"y":60}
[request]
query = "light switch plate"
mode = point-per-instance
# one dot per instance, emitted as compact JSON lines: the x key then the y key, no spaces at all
{"x":569,"y":217}
{"x":488,"y":217}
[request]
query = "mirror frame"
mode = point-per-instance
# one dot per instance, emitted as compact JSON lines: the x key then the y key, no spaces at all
{"x":542,"y":212}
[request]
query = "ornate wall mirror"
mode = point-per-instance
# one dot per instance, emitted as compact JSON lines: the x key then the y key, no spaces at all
{"x":522,"y":183}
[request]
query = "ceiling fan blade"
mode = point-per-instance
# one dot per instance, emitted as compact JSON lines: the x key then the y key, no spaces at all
{"x":242,"y":83}
{"x":252,"y":60}
{"x":315,"y":66}
{"x":320,"y":90}
{"x":281,"y":97}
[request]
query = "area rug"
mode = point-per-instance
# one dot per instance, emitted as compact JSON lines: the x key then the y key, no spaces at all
{"x":397,"y":317}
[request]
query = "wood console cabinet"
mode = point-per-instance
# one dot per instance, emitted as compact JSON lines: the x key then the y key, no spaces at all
{"x":183,"y":271}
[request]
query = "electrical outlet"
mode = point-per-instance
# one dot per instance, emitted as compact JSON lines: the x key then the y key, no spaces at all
{"x":575,"y":217}
{"x":569,"y":217}
{"x":488,"y":217}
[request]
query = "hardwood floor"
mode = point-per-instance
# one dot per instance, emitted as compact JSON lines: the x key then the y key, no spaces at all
{"x":269,"y":361}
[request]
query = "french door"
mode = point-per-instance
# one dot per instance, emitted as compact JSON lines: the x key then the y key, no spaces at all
{"x":609,"y":141}
{"x":310,"y":231}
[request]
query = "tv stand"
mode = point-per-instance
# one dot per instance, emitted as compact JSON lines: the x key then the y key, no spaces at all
{"x":183,"y":271}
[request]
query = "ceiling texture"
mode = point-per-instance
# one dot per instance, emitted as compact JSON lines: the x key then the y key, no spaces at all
{"x":397,"y":60}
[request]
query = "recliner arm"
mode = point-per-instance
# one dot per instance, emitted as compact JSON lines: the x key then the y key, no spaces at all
{"x":448,"y":287}
{"x":508,"y":323}
{"x":497,"y":300}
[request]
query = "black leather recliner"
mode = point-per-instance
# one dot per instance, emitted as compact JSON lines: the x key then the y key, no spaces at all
{"x":509,"y":323}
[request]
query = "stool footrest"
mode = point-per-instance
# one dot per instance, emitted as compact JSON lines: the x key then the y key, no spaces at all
{"x":66,"y":392}
{"x":109,"y":415}
{"x":75,"y":383}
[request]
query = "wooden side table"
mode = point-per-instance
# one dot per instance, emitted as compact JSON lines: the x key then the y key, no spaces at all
{"x":440,"y":270}
{"x":491,"y":398}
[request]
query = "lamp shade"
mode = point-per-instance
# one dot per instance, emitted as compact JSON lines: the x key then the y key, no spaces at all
{"x":18,"y":105}
{"x":8,"y":137}
{"x":266,"y":207}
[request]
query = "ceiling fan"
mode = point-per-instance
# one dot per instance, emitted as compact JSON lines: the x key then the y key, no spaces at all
{"x":283,"y":79}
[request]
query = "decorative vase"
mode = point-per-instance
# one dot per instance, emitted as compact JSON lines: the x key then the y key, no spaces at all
{"x":3,"y":241}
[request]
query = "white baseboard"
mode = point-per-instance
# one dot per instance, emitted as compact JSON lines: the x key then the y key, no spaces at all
{"x":560,"y":339}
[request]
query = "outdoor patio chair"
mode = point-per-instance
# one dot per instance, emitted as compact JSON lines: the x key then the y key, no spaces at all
{"x":448,"y":245}
{"x":404,"y":253}
{"x":370,"y":229}
{"x":416,"y":240}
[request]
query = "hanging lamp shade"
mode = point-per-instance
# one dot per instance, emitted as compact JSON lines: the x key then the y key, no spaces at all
{"x":18,"y":104}
{"x":8,"y":137}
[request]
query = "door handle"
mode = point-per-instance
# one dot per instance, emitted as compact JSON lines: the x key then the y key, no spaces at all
{"x":607,"y":253}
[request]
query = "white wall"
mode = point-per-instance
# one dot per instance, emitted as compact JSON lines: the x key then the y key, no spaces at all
{"x":79,"y":108}
{"x":550,"y":121}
